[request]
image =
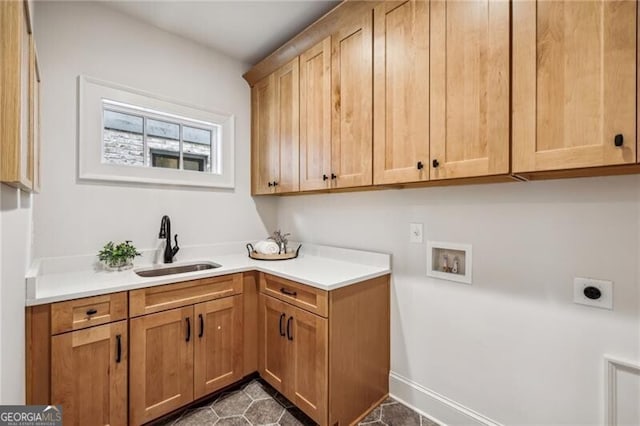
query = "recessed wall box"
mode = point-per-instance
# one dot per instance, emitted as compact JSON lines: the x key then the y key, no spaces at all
{"x":449,"y":261}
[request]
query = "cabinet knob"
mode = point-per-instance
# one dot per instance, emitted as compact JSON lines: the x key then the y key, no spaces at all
{"x":436,"y":163}
{"x":92,"y":312}
{"x":420,"y":166}
{"x":333,"y":176}
{"x":618,"y":140}
{"x":325,"y":177}
{"x":275,"y":183}
{"x":270,"y":184}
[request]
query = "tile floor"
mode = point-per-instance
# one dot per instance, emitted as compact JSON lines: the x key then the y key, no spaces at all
{"x":257,"y":403}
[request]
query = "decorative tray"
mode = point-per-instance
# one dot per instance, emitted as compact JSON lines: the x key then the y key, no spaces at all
{"x":280,"y":256}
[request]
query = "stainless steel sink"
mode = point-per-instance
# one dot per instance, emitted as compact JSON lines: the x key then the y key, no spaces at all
{"x":176,"y":269}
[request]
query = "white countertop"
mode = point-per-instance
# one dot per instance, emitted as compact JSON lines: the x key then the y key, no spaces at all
{"x":327,"y":268}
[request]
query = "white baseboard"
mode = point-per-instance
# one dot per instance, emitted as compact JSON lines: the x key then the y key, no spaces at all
{"x":434,"y":406}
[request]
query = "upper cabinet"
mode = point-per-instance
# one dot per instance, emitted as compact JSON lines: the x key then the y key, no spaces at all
{"x":315,"y":117}
{"x":469,"y":88}
{"x":574,"y":84}
{"x":18,"y":113}
{"x":401,"y":92}
{"x":352,"y":103}
{"x":275,"y":130}
{"x":263,"y":136}
{"x":433,"y":91}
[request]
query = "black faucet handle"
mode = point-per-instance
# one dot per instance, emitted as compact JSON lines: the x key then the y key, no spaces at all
{"x":176,"y":248}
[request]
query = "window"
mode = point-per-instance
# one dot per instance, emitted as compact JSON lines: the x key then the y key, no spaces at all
{"x":136,"y":137}
{"x":139,"y":137}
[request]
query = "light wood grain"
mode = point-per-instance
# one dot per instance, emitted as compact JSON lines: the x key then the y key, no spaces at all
{"x":359,"y":345}
{"x":469,"y":88}
{"x":87,"y":379}
{"x":161,"y":377}
{"x":324,"y":27}
{"x":218,"y":332}
{"x":274,"y":356}
{"x":352,"y":103}
{"x":250,"y":306}
{"x":15,"y":161}
{"x":38,"y":355}
{"x":309,"y":363}
{"x":264,"y":139}
{"x":35,"y":142}
{"x":619,"y":170}
{"x":315,"y":117}
{"x":303,"y":296}
{"x":574,"y":80}
{"x":77,"y":314}
{"x":160,"y":298}
{"x":287,"y":113}
{"x":401,"y":92}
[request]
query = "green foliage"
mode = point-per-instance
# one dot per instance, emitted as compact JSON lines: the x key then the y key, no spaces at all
{"x":117,"y":255}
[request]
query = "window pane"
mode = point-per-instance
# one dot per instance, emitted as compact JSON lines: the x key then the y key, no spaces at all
{"x":163,"y":144}
{"x":165,"y":159}
{"x":191,"y":134}
{"x":125,"y":122}
{"x":122,"y":140}
{"x":194,"y":163}
{"x":163,"y":129}
{"x":196,"y":148}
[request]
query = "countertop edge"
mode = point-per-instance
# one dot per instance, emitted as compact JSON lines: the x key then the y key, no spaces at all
{"x":31,"y":300}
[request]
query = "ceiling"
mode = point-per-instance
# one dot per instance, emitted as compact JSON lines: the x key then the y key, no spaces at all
{"x":245,"y":30}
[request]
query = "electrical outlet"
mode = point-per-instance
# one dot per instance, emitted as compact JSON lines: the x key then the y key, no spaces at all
{"x":590,"y":292}
{"x":415,"y":232}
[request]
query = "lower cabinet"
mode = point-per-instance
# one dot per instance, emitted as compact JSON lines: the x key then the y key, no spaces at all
{"x":133,"y":357}
{"x":331,"y":359}
{"x":308,"y":342}
{"x":161,"y":377}
{"x":218,"y":345}
{"x":294,"y":355}
{"x":89,"y":375}
{"x":183,"y":354}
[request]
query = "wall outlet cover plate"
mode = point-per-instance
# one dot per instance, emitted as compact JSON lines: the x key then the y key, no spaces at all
{"x":605,"y":301}
{"x":415,"y":233}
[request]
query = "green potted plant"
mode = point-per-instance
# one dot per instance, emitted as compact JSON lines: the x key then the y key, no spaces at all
{"x":118,"y":257}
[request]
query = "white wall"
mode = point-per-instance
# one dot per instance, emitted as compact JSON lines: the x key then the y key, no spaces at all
{"x":73,"y":217}
{"x":15,"y":255}
{"x":512,"y":346}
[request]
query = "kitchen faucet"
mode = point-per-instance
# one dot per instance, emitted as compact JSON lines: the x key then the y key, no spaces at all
{"x":165,"y":232}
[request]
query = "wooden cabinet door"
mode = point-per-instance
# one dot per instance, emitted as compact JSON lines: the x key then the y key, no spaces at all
{"x":161,"y":374}
{"x":218,"y":344}
{"x":16,"y":159}
{"x":401,"y":92}
{"x":287,"y":85}
{"x":469,"y":88}
{"x":274,"y":357}
{"x":315,"y":117}
{"x":89,"y":375}
{"x":574,"y":84}
{"x":264,"y":142}
{"x":351,"y":81}
{"x":307,"y":334}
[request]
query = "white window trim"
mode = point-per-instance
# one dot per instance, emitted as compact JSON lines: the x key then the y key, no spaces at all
{"x":91,"y":94}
